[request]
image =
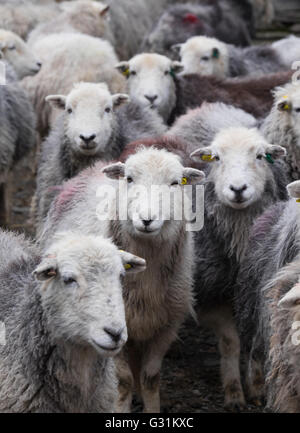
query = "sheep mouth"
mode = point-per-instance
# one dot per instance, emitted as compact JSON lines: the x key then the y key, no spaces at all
{"x":239,"y":203}
{"x":108,"y":349}
{"x":147,"y":231}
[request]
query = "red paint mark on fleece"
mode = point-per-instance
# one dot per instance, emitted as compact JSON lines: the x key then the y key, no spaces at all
{"x":190,"y":18}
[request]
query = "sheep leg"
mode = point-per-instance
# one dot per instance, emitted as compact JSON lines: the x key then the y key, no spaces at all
{"x":150,"y":369}
{"x":221,"y":321}
{"x":5,"y":202}
{"x":255,"y":377}
{"x":126,"y":384}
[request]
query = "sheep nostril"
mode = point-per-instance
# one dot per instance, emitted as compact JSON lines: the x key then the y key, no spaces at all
{"x":88,"y":138}
{"x":115,"y":334}
{"x":147,"y":222}
{"x":39,"y":64}
{"x":238,"y":190}
{"x":151,"y":98}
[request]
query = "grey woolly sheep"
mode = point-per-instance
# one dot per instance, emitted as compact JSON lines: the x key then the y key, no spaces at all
{"x":243,"y":180}
{"x":69,"y":58}
{"x":209,"y":56}
{"x":199,"y":126}
{"x":17,"y":137}
{"x":64,"y":319}
{"x":281,"y":126}
{"x":81,"y":16}
{"x":267,"y":306}
{"x":24,"y":17}
{"x":157,"y":303}
{"x":92,"y":128}
{"x":18,"y":55}
{"x":180,"y":22}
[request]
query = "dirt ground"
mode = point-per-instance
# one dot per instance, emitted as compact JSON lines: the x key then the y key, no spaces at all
{"x":190,"y":376}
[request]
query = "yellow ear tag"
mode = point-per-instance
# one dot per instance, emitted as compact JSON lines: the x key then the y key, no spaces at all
{"x":285,"y":97}
{"x":126,"y":72}
{"x":207,"y":158}
{"x":127,"y":266}
{"x":184,"y":181}
{"x":286,"y":107}
{"x":298,"y":200}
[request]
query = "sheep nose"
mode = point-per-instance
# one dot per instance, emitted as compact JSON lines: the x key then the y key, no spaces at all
{"x":151,"y":98}
{"x":87,"y":138}
{"x":238,"y":190}
{"x":39,"y":64}
{"x":147,"y":222}
{"x":115,"y":334}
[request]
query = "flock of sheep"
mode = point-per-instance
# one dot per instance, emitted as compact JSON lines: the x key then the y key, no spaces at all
{"x":144,"y":93}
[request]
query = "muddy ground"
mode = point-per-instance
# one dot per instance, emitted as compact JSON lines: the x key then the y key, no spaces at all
{"x":190,"y":376}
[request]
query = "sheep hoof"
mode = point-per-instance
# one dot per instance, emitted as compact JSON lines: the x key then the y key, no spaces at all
{"x":234,"y":398}
{"x":235,"y":406}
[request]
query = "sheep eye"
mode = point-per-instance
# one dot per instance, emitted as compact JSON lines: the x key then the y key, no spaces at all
{"x":217,"y":158}
{"x":205,"y":58}
{"x":129,"y":179}
{"x":259,"y":157}
{"x":132,"y":72}
{"x":69,"y":110}
{"x":12,"y":47}
{"x":167,"y":72}
{"x":297,"y":110}
{"x":69,"y":280}
{"x":107,"y":110}
{"x":174,"y":183}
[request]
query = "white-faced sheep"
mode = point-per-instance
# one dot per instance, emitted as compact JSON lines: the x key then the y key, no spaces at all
{"x":151,"y":79}
{"x":244,"y":178}
{"x":15,"y":51}
{"x":288,"y":50}
{"x":64,"y":319}
{"x":92,"y":128}
{"x":209,"y":56}
{"x":17,"y":137}
{"x":68,"y":59}
{"x":24,"y":17}
{"x":282,"y":125}
{"x":82,"y":16}
{"x":182,"y":21}
{"x":157,"y":303}
{"x":267,"y":305}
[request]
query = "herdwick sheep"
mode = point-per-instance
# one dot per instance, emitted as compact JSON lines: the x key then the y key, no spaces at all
{"x":209,"y":56}
{"x":180,"y":22}
{"x":267,"y":305}
{"x":18,"y":55}
{"x":92,"y":128}
{"x":288,"y":49}
{"x":243,"y":180}
{"x":69,"y":58}
{"x":24,"y":17}
{"x":17,"y":137}
{"x":281,"y":126}
{"x":151,"y":80}
{"x":64,"y":319}
{"x":199,"y":126}
{"x":81,"y":16}
{"x":157,"y":303}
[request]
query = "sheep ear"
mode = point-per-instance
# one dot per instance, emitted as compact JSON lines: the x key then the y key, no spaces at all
{"x":176,"y":67}
{"x":285,"y":105}
{"x":120,"y":99}
{"x":192,"y":175}
{"x":176,"y":48}
{"x":57,"y":101}
{"x":132,"y":264}
{"x":203,"y":153}
{"x":291,"y":298}
{"x":124,"y":68}
{"x":294,"y":189}
{"x":114,"y":171}
{"x":275,"y":151}
{"x":47,"y":269}
{"x":215,"y":53}
{"x":104,"y":11}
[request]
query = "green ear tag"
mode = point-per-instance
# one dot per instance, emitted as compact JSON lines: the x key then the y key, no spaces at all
{"x":216,"y":53}
{"x":269,"y":158}
{"x":172,"y":73}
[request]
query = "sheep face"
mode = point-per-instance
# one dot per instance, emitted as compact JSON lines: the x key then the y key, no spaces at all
{"x":89,"y":117}
{"x":15,"y":51}
{"x":151,"y":180}
{"x":151,"y":81}
{"x":203,"y":55}
{"x":288,"y":103}
{"x":81,"y":291}
{"x":95,"y":10}
{"x":240,"y":159}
